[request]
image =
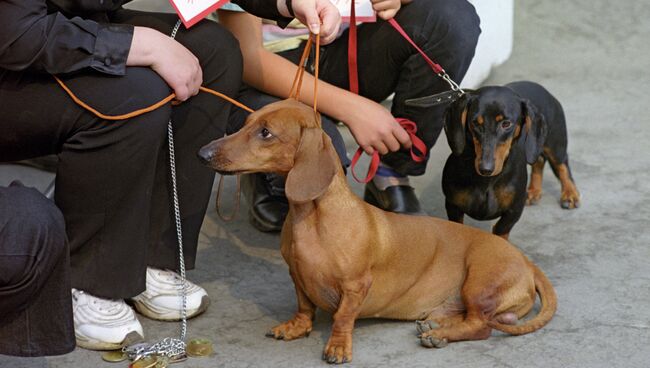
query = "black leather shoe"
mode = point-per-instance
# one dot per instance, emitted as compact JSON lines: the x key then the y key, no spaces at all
{"x":398,"y":199}
{"x":267,"y":206}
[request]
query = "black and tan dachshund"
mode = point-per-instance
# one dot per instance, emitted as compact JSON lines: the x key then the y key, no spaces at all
{"x":493,"y":132}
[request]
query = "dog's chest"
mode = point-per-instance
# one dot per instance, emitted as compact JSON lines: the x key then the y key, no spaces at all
{"x":314,"y":271}
{"x":483,"y":202}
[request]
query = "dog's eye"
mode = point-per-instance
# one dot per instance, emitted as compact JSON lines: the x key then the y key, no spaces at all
{"x":265,"y":133}
{"x":506,"y":124}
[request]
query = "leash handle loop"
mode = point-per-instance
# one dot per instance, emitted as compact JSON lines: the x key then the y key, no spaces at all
{"x":418,"y":148}
{"x":418,"y":152}
{"x":372,"y":169}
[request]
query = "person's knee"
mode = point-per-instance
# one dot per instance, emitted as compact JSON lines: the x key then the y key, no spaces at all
{"x":33,"y":239}
{"x":143,"y":87}
{"x":31,"y":207}
{"x":220,"y":56}
{"x":453,"y":24}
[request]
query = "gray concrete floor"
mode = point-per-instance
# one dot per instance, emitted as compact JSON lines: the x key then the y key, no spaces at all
{"x":593,"y":56}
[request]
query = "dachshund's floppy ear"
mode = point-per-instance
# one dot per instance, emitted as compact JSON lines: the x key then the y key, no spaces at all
{"x":535,"y":130}
{"x":456,"y":122}
{"x":314,"y":166}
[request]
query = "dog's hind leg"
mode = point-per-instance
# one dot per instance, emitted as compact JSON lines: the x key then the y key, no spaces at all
{"x":480,"y":301}
{"x":570,"y":197}
{"x":535,"y":185}
{"x":458,"y":328}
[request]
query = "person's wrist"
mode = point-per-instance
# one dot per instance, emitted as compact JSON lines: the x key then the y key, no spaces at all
{"x":142,"y":47}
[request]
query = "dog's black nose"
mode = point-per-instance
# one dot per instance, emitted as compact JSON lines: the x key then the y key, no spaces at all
{"x":486,"y":170}
{"x":205,"y":154}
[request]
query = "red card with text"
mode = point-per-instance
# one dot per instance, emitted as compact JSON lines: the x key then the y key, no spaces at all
{"x":192,"y":11}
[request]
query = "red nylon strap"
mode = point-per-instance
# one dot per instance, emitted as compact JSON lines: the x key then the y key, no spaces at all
{"x":436,"y":67}
{"x":372,"y":168}
{"x":418,"y":152}
{"x":352,"y":52}
{"x":418,"y":148}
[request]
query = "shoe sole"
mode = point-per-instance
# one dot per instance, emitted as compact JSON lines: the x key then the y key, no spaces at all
{"x":172,"y":316}
{"x":91,"y":344}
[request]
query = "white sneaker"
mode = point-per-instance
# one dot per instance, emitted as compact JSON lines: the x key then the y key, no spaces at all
{"x":163,"y":301}
{"x":101,"y":324}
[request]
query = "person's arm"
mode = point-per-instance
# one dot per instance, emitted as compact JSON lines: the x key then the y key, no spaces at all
{"x":32,"y":39}
{"x":373,"y":127}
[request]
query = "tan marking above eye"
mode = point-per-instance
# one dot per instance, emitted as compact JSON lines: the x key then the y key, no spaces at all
{"x":480,"y":120}
{"x":498,"y":118}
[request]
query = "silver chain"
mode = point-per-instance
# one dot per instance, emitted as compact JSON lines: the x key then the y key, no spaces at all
{"x":169,"y":346}
{"x":177,"y":215}
{"x":179,"y":234}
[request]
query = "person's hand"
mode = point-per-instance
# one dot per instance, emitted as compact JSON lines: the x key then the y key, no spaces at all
{"x":320,"y":16}
{"x":386,"y":9}
{"x":375,"y":129}
{"x":175,"y":64}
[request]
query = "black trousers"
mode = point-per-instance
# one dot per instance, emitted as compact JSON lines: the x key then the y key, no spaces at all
{"x":113,"y":182}
{"x":35,"y":301}
{"x":446,"y":30}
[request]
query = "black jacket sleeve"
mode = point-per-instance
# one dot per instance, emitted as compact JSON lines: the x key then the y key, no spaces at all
{"x":30,"y":38}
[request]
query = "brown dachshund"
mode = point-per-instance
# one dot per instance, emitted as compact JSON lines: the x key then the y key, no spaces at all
{"x":357,"y":261}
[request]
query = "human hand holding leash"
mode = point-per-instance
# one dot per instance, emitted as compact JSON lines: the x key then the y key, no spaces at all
{"x":172,"y":61}
{"x":374,"y":128}
{"x":386,"y":9}
{"x":320,"y":16}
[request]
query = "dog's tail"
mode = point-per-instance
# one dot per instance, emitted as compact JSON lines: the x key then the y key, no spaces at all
{"x":548,"y":300}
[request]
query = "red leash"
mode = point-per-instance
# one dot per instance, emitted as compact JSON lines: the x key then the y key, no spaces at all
{"x":418,"y":149}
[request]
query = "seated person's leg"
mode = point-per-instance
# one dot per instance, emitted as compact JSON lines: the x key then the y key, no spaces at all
{"x":264,"y":192}
{"x":196,"y":122}
{"x":35,"y":307}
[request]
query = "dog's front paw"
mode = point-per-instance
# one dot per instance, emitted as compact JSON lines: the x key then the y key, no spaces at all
{"x":290,"y":330}
{"x":534,"y":195}
{"x":338,"y":349}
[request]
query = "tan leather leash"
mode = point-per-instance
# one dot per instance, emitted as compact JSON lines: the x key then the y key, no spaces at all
{"x":297,"y":80}
{"x":144,"y":110}
{"x":294,"y":93}
{"x":155,"y":106}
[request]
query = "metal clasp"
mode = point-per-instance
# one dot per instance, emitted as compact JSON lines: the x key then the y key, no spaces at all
{"x":454,"y":86}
